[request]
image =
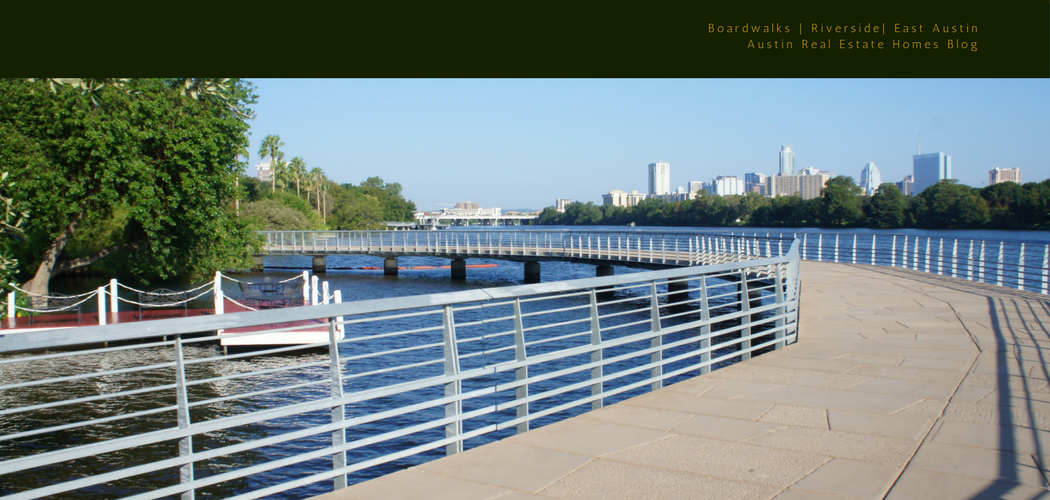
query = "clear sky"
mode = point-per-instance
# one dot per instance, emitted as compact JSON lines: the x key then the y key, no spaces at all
{"x":524,"y":143}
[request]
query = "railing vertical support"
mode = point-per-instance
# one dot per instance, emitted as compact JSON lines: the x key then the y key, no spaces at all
{"x":1046,"y":269}
{"x":657,"y":356}
{"x":1020,"y":269}
{"x":521,"y":373}
{"x":854,"y":249}
{"x":101,"y":305}
{"x":114,"y":302}
{"x":182,"y":404}
{"x":745,"y":307}
{"x":306,"y":287}
{"x":926,"y":265}
{"x":955,"y":257}
{"x":596,"y":355}
{"x":778,"y":281}
{"x":338,"y":408}
{"x":893,"y":252}
{"x":220,"y":304}
{"x":940,"y":258}
{"x":313,"y":290}
{"x":705,"y":330}
{"x":820,"y":247}
{"x":324,"y":292}
{"x":11,"y":303}
{"x":980,"y":264}
{"x":999,"y":275}
{"x":873,"y":239}
{"x":836,"y":247}
{"x":452,"y":389}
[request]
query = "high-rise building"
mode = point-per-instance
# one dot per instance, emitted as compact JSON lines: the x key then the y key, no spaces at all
{"x":756,"y":182}
{"x":696,"y":186}
{"x":726,"y":185}
{"x":870,"y":178}
{"x":907,"y":186}
{"x":929,"y":169}
{"x":263,"y":171}
{"x":659,"y":178}
{"x":997,"y":175}
{"x":787,"y":161}
{"x":806,"y":186}
{"x":562,"y":203}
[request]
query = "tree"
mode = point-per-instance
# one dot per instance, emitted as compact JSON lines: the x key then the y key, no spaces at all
{"x":271,"y":146}
{"x":888,"y":207}
{"x":950,"y":205}
{"x":841,"y":205}
{"x":297,"y":171}
{"x":160,"y":152}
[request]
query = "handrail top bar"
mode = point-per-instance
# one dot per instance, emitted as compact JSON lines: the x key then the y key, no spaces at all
{"x":635,"y":230}
{"x":16,"y":342}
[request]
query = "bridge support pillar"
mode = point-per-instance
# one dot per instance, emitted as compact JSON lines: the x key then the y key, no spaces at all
{"x":320,"y":264}
{"x":459,"y":269}
{"x":390,"y":266}
{"x":676,"y":291}
{"x":257,"y":262}
{"x":532,"y":272}
{"x":604,"y":271}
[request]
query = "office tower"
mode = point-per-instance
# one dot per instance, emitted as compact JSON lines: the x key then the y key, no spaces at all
{"x":696,"y":186}
{"x":787,"y":161}
{"x":756,"y":182}
{"x":870,"y":178}
{"x":907,"y":186}
{"x":930,"y":168}
{"x":997,"y":175}
{"x":562,"y":203}
{"x":726,"y":185}
{"x":618,"y":198}
{"x":659,"y":178}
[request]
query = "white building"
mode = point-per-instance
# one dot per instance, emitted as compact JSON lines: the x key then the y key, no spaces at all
{"x":618,"y":198}
{"x":787,"y":160}
{"x":659,"y":178}
{"x":757,"y":182}
{"x":562,"y":203}
{"x":997,"y":175}
{"x":929,"y":169}
{"x":263,"y":171}
{"x":907,"y":186}
{"x":870,"y":178}
{"x":696,"y":186}
{"x":726,"y":185}
{"x":680,"y":195}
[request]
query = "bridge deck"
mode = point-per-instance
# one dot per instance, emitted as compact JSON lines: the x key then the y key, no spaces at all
{"x":903,"y":385}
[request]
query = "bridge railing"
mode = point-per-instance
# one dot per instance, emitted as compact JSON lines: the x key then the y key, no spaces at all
{"x":1014,"y":264}
{"x":655,"y":248}
{"x":118,"y":411}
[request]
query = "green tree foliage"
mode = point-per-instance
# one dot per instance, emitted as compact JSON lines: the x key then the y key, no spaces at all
{"x":395,"y":207}
{"x":841,"y":204}
{"x":950,"y":205}
{"x":271,"y":146}
{"x":272,"y":215}
{"x":888,"y":208}
{"x":582,"y":214}
{"x":162,"y":152}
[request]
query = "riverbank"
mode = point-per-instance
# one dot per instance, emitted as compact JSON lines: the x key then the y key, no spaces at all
{"x":902,"y":385}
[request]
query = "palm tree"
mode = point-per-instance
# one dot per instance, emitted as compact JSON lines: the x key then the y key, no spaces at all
{"x":317,"y":178}
{"x":297,"y":171}
{"x":271,"y":146}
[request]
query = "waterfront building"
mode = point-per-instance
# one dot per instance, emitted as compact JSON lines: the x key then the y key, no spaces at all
{"x":618,"y":198}
{"x":680,"y":195}
{"x":659,"y":178}
{"x":997,"y":175}
{"x":725,"y":185}
{"x":806,"y":186}
{"x":870,"y":178}
{"x":756,"y":182}
{"x":907,"y":186}
{"x":929,"y":169}
{"x":787,"y":160}
{"x":469,"y":205}
{"x":263,"y":171}
{"x":696,"y":186}
{"x":562,"y":203}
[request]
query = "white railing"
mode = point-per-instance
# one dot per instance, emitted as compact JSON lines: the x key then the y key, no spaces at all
{"x":654,"y":248}
{"x":149,"y":418}
{"x":1014,"y":264}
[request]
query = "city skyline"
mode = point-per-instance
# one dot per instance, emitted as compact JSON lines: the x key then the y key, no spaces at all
{"x":447,"y":141}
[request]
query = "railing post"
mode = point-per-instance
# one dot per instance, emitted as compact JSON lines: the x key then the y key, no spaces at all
{"x":522,"y":373}
{"x":338,"y":409}
{"x":657,"y":356}
{"x":705,"y":330}
{"x":915,"y":255}
{"x":313,"y":290}
{"x":324,"y":292}
{"x":338,"y":298}
{"x":980,"y":263}
{"x":969,"y":262}
{"x":183,"y":415}
{"x":220,"y":303}
{"x":836,"y":247}
{"x":596,"y":355}
{"x":455,"y":388}
{"x":101,"y":305}
{"x":999,"y":275}
{"x":820,"y":247}
{"x":306,"y":287}
{"x":1020,"y":269}
{"x":940,"y":258}
{"x":11,"y":303}
{"x":745,"y":307}
{"x":779,"y":324}
{"x":893,"y":253}
{"x":804,"y":240}
{"x":854,"y":249}
{"x":873,"y":239}
{"x":1046,"y":270}
{"x":904,"y":252}
{"x":114,"y":303}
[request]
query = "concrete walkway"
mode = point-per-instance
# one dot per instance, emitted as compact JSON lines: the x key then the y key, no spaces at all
{"x":903,"y":385}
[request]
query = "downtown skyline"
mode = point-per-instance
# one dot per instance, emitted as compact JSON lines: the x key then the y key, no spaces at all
{"x":525,"y":143}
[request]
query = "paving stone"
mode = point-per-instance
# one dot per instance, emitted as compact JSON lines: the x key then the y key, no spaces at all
{"x":902,"y":387}
{"x":696,"y":386}
{"x":918,"y":484}
{"x":591,"y":437}
{"x":729,"y":429}
{"x":826,"y":398}
{"x":970,"y":394}
{"x":723,"y":459}
{"x":790,"y":376}
{"x":998,"y":415}
{"x":996,"y":465}
{"x":897,"y":426}
{"x":916,"y":374}
{"x":799,"y":416}
{"x":992,"y":437}
{"x":927,"y":408}
{"x":936,"y":364}
{"x":871,"y":359}
{"x":499,"y":464}
{"x":850,"y":478}
{"x":862,"y":447}
{"x":734,"y":408}
{"x":414,"y":484}
{"x":735,"y":388}
{"x":607,"y":480}
{"x":639,"y":416}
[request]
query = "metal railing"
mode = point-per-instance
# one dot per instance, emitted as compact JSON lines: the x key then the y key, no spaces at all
{"x":653,"y":248}
{"x":413,"y":377}
{"x":1015,"y":264}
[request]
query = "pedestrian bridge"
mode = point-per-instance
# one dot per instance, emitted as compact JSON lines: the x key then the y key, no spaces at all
{"x":656,"y":250}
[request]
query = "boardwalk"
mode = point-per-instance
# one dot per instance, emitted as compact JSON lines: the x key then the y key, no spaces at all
{"x":903,"y":385}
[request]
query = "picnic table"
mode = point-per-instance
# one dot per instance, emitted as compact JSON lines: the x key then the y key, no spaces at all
{"x":272,"y":294}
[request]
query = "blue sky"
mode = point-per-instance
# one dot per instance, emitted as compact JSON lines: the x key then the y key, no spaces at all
{"x":524,"y":143}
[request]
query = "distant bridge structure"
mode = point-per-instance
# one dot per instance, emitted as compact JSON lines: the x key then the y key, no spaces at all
{"x":462,"y":216}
